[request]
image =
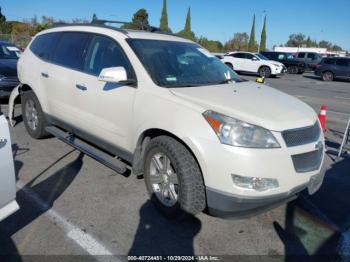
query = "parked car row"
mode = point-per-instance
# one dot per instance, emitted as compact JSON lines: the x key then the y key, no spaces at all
{"x":9,"y":55}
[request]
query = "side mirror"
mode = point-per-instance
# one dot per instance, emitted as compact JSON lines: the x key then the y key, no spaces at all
{"x":254,"y":59}
{"x":113,"y":75}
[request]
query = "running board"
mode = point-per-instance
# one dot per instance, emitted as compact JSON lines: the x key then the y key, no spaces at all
{"x":97,"y":154}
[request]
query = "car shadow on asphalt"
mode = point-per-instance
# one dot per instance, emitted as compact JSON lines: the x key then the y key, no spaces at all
{"x":157,"y":235}
{"x":318,"y":226}
{"x":48,"y":190}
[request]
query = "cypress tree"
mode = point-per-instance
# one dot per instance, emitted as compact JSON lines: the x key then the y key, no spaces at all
{"x":187,"y":33}
{"x":188,"y":21}
{"x":2,"y":17}
{"x":251,"y":45}
{"x":164,"y":19}
{"x":263,"y":37}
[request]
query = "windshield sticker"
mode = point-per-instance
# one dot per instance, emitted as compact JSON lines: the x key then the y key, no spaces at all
{"x":228,"y":75}
{"x":171,"y":79}
{"x":205,"y":52}
{"x":12,"y":48}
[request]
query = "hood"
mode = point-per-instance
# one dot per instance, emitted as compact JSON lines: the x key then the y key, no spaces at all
{"x":275,"y":62}
{"x":8,"y":67}
{"x":253,"y":103}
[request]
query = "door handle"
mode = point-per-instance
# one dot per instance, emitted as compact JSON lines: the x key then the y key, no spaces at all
{"x":81,"y":87}
{"x":45,"y":75}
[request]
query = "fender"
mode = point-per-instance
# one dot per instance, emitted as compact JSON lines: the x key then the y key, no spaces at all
{"x":11,"y":113}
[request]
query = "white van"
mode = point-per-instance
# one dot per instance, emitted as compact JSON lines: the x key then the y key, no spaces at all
{"x":163,"y":106}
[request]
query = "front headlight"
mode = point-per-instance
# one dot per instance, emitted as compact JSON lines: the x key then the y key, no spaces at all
{"x":234,"y":132}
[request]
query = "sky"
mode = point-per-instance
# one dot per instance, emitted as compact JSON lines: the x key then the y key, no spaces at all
{"x":214,"y":19}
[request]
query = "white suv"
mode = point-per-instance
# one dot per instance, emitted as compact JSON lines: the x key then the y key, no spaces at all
{"x":200,"y":135}
{"x":253,"y":63}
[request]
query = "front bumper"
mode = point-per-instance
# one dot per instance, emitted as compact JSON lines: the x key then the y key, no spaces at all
{"x":279,"y":70}
{"x":226,"y":205}
{"x":8,"y":210}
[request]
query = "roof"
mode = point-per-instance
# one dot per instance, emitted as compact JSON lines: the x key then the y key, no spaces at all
{"x":128,"y":33}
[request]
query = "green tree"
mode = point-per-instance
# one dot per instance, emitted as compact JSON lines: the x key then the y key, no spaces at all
{"x":2,"y":17}
{"x":239,"y":42}
{"x":296,"y":40}
{"x":252,"y":44}
{"x":164,"y":26}
{"x":211,"y":45}
{"x":139,"y":21}
{"x":262,"y":46}
{"x":187,"y":33}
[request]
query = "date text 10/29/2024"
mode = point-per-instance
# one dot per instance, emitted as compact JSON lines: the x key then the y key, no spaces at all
{"x":173,"y":258}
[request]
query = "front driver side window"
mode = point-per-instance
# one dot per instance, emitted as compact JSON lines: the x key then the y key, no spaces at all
{"x":104,"y":52}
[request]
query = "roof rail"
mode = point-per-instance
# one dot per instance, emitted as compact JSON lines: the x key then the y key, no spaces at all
{"x":63,"y":24}
{"x":144,"y":27}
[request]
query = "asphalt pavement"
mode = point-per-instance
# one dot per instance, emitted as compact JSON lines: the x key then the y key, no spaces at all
{"x":72,"y":205}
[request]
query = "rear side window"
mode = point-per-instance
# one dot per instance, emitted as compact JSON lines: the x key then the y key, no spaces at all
{"x":343,"y":62}
{"x":329,"y":61}
{"x":104,"y":52}
{"x":301,"y":55}
{"x":311,"y":56}
{"x":44,"y":45}
{"x":239,"y":55}
{"x":70,"y":50}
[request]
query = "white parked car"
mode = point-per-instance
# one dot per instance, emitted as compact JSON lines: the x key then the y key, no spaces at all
{"x":8,"y":204}
{"x":199,"y":134}
{"x":246,"y":62}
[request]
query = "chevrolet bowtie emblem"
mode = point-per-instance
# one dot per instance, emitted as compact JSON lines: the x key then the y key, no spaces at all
{"x":3,"y":143}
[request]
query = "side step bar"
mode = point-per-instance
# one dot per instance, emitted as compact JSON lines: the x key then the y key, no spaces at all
{"x":102,"y":157}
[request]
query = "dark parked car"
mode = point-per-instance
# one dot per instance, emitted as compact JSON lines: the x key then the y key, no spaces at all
{"x":333,"y":68}
{"x":293,"y":66}
{"x":9,"y":55}
{"x":310,"y":58}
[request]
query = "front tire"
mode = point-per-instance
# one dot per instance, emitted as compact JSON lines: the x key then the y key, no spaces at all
{"x":265,"y":71}
{"x":293,"y":70}
{"x":33,"y":116}
{"x":173,"y":178}
{"x":327,"y":76}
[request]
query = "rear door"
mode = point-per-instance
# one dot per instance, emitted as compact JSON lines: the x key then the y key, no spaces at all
{"x":343,"y":68}
{"x":8,"y":204}
{"x":63,"y":73}
{"x":238,"y":61}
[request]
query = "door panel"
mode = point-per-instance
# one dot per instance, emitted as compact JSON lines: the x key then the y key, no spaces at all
{"x":7,"y":172}
{"x":105,"y":109}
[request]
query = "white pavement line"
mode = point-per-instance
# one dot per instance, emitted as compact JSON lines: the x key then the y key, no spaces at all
{"x":346,"y":98}
{"x":338,"y":113}
{"x":91,"y":245}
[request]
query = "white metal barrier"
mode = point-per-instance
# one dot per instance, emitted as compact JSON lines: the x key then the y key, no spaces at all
{"x":346,"y":139}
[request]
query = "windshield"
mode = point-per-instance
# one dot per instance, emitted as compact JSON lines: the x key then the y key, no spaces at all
{"x":9,"y":52}
{"x":262,"y":57}
{"x":180,"y":64}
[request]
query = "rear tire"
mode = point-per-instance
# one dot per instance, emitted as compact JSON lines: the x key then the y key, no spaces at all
{"x":327,"y":76}
{"x":229,"y":65}
{"x":265,"y":71}
{"x":173,"y":178}
{"x":33,"y":116}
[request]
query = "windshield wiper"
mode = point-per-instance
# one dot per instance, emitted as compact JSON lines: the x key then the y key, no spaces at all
{"x":227,"y":81}
{"x":183,"y":85}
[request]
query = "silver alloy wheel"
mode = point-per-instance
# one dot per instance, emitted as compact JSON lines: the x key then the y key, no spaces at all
{"x":328,"y":76}
{"x":31,"y":115}
{"x":164,"y":180}
{"x":264,"y":72}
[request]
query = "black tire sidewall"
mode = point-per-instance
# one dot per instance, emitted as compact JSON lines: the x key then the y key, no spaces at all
{"x":189,"y":181}
{"x":40,"y":131}
{"x":168,"y":211}
{"x":268,"y":72}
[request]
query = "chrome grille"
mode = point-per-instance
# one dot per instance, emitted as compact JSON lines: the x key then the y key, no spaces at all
{"x":302,"y":136}
{"x":308,"y":162}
